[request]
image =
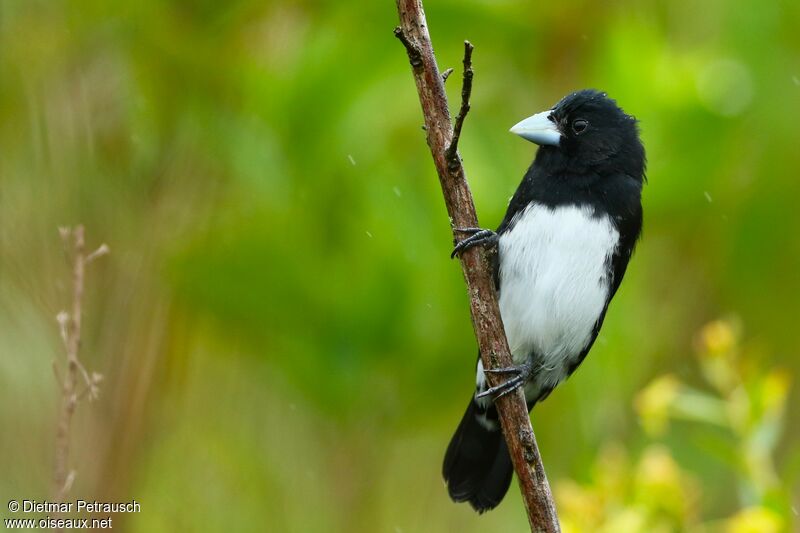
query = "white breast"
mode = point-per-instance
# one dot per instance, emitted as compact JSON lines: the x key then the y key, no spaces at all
{"x":554,"y":284}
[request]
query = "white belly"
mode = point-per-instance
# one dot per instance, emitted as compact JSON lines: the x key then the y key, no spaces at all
{"x":554,"y":285}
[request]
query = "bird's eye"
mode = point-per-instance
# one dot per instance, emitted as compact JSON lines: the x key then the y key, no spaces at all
{"x":579,"y":126}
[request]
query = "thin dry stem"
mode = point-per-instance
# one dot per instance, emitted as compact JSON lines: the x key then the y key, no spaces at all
{"x":453,"y":159}
{"x":70,"y":329}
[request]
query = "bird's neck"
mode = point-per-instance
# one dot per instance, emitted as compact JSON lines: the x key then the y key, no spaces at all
{"x":552,"y":167}
{"x":554,"y":179}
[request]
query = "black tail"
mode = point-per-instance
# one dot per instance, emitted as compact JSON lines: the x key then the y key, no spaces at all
{"x":477,"y":467}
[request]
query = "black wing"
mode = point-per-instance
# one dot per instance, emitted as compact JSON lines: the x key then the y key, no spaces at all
{"x":626,"y":213}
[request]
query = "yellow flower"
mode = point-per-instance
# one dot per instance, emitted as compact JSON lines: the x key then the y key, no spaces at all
{"x":654,"y":401}
{"x":716,"y":346}
{"x":633,"y":520}
{"x":775,"y":388}
{"x":658,"y":468}
{"x":578,"y":505}
{"x":717,"y":338}
{"x":755,"y":520}
{"x":661,"y":484}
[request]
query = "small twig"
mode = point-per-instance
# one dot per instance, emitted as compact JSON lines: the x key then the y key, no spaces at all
{"x":84,"y":373}
{"x":102,"y":250}
{"x":466,"y":93}
{"x":414,"y":54}
{"x":446,"y":74}
{"x":70,"y":331}
{"x":91,"y":389}
{"x":63,"y":320}
{"x":69,"y":481}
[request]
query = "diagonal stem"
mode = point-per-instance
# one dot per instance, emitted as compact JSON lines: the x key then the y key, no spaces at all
{"x":484,"y":309}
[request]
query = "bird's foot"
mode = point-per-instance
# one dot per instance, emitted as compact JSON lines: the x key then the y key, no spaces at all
{"x":520,"y":374}
{"x":477,"y":237}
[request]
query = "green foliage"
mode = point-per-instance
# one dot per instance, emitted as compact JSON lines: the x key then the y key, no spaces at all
{"x":656,"y":493}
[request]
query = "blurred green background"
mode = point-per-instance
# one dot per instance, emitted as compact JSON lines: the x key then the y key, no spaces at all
{"x":286,"y":345}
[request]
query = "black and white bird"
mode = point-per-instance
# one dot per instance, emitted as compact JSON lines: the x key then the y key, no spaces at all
{"x":561,"y":252}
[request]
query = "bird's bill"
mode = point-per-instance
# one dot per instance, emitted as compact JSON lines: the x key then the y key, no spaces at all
{"x":539,"y":129}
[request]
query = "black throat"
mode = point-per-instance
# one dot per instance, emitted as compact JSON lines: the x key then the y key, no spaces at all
{"x":609,"y":187}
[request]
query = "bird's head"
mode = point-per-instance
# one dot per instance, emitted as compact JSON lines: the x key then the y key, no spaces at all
{"x":589,"y":130}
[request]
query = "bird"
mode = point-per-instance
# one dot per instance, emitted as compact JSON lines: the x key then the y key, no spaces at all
{"x":558,"y":258}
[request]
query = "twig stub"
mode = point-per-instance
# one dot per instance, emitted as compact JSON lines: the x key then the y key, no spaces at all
{"x":446,"y":74}
{"x":414,"y":55}
{"x":466,"y":93}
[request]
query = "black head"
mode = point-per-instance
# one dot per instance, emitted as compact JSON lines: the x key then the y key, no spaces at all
{"x":589,"y":133}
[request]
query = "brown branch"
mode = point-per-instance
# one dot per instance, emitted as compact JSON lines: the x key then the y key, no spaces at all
{"x":70,"y":328}
{"x":484,"y":310}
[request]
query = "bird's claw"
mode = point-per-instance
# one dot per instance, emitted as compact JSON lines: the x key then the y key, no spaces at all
{"x":523,"y":374}
{"x":478,"y":237}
